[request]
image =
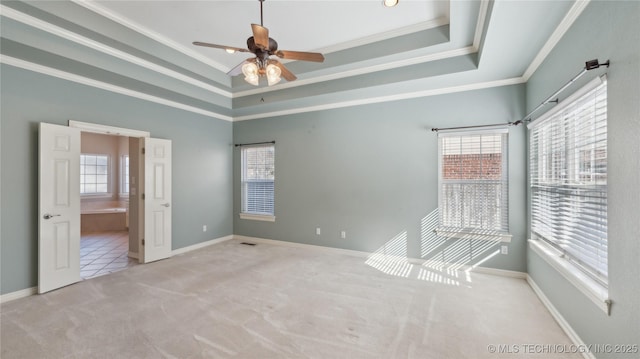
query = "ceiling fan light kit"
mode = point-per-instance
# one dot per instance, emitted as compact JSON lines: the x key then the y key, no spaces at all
{"x":389,"y":3}
{"x":262,"y":46}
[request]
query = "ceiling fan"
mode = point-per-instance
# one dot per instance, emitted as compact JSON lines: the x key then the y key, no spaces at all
{"x":262,"y":46}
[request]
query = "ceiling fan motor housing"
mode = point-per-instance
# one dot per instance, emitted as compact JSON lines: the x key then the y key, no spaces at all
{"x":260,"y":52}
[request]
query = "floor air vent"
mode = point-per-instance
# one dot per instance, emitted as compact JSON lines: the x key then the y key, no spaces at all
{"x":248,"y":244}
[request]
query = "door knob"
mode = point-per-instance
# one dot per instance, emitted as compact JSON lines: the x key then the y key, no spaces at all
{"x":165,"y":204}
{"x":49,"y":216}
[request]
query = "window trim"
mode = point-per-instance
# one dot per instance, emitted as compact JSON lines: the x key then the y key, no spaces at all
{"x":122,"y":194}
{"x":591,"y":288}
{"x":109,"y":192}
{"x":474,"y":233}
{"x":597,"y":292}
{"x":255,"y":216}
{"x":258,"y":217}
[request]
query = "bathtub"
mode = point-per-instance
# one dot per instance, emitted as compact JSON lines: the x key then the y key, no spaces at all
{"x":104,"y":219}
{"x":104,"y":210}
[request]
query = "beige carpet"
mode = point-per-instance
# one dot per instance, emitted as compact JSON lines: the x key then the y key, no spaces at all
{"x":236,"y":301}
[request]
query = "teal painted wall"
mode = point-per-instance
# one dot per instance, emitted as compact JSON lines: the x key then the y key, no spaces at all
{"x":202,"y":152}
{"x":605,"y":30}
{"x":372,"y":171}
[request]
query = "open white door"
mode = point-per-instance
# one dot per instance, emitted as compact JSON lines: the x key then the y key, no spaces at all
{"x":59,"y":207}
{"x":157,"y":199}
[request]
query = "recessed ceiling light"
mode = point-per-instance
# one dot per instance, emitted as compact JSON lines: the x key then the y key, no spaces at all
{"x":390,"y":3}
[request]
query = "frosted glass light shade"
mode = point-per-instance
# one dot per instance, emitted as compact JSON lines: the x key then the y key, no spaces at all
{"x":250,"y":71}
{"x":273,"y":74}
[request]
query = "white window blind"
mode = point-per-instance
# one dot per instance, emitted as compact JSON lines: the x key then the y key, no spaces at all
{"x":94,"y":174}
{"x":568,"y":174}
{"x":258,"y":177}
{"x":473,"y":179}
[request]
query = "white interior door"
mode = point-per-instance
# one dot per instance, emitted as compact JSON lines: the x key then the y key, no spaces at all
{"x":157,"y":199}
{"x":59,"y":207}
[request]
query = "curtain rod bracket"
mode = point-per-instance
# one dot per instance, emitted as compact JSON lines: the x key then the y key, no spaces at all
{"x":594,"y":64}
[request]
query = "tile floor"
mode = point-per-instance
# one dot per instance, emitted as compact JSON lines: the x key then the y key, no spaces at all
{"x":103,"y":253}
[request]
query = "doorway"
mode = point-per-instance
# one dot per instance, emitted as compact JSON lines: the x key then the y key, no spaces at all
{"x":59,"y":214}
{"x":104,"y":205}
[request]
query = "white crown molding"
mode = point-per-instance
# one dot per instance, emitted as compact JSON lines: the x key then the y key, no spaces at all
{"x":8,"y":60}
{"x":555,"y":37}
{"x":107,"y":130}
{"x":71,"y":36}
{"x":482,"y":17}
{"x":396,"y":97}
{"x":361,"y":71}
{"x":100,"y":10}
{"x":422,"y":26}
{"x":123,"y":91}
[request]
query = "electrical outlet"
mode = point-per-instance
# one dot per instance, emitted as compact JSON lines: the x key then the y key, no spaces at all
{"x":343,"y":234}
{"x":317,"y":231}
{"x":504,"y":250}
{"x":204,"y":228}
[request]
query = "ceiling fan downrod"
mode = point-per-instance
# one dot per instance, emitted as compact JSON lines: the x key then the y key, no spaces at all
{"x":261,"y":24}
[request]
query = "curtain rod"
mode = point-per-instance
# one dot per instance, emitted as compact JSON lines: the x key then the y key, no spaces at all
{"x":255,"y":143}
{"x":589,"y":65}
{"x":516,"y":123}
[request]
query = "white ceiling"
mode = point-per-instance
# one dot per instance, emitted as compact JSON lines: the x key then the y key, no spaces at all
{"x":302,"y":25}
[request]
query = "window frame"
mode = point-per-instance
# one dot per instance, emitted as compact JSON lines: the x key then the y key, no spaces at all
{"x":109,"y":191}
{"x":501,"y":235}
{"x":581,"y":277}
{"x":124,"y":176}
{"x":244,"y":214}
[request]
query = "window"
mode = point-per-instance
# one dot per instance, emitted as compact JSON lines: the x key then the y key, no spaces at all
{"x":94,"y":174}
{"x":258,"y":176}
{"x":124,"y":171}
{"x":473,"y":181}
{"x":568,"y":166}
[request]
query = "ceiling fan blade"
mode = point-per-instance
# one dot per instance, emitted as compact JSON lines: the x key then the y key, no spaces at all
{"x":288,"y":75}
{"x":206,"y":44}
{"x":238,"y":69}
{"x":299,"y":55}
{"x":260,"y":36}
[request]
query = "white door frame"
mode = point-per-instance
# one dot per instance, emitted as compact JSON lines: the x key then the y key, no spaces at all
{"x":114,"y":131}
{"x":107,"y":130}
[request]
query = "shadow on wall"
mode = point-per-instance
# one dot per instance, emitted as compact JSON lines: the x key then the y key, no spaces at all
{"x":443,"y":260}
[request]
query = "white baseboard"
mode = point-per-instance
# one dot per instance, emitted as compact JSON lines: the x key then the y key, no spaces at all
{"x":499,"y":272}
{"x":361,"y":254}
{"x":133,"y":255}
{"x":575,"y":338}
{"x":193,"y":247}
{"x":301,"y":245}
{"x":23,"y":293}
